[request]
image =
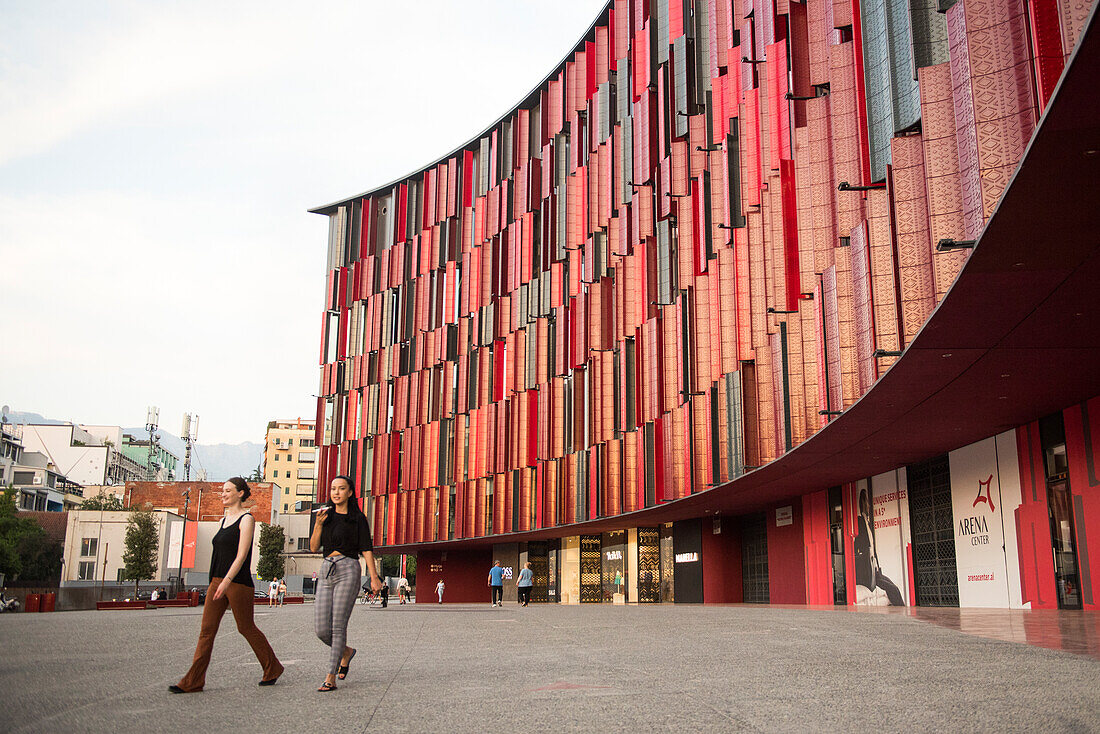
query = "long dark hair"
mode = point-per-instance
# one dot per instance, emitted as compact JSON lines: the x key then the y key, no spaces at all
{"x":353,"y":500}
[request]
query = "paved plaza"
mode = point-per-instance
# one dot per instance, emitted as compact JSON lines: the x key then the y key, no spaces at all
{"x":465,"y":668}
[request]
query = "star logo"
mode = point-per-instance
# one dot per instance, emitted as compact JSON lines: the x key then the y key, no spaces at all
{"x":986,"y":497}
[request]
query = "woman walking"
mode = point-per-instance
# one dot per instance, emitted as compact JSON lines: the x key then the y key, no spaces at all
{"x":231,"y":586}
{"x":342,"y":534}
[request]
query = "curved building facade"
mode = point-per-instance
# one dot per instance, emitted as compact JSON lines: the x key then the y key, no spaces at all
{"x":748,"y":300}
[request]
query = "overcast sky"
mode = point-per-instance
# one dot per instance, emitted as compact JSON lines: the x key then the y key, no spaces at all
{"x":156,"y":163}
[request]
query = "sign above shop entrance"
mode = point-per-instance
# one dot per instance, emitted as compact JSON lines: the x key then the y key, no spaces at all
{"x":687,"y":557}
{"x":784,"y":516}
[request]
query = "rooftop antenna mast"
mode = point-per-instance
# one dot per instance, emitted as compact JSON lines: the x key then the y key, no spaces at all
{"x":152,"y":416}
{"x":189,"y":434}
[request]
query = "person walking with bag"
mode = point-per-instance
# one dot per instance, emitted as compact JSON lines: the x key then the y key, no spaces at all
{"x":342,"y":534}
{"x":231,"y":586}
{"x":524,"y":584}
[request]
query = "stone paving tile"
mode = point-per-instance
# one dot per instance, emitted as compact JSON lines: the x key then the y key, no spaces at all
{"x":460,"y":668}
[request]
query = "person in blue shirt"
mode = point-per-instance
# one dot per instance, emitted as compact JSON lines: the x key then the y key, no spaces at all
{"x":496,"y":584}
{"x":524,"y":584}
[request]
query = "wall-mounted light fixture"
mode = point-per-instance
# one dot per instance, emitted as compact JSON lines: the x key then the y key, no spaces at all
{"x":829,"y":412}
{"x":845,"y":186}
{"x":777,"y":310}
{"x":884,"y":353}
{"x":949,"y":245}
{"x":747,"y":60}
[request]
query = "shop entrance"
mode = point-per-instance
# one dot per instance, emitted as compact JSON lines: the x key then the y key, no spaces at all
{"x":538,"y":557}
{"x":836,"y":541}
{"x":591,"y":588}
{"x":933,"y":530}
{"x":1052,"y":433}
{"x":668,"y":567}
{"x":649,"y":565}
{"x":754,"y":559}
{"x":613,"y":566}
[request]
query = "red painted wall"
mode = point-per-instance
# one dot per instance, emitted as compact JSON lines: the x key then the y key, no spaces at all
{"x":787,"y":558}
{"x":464,"y":575}
{"x":815,"y":539}
{"x":1033,"y":523}
{"x":721,"y":559}
{"x":1083,"y":454}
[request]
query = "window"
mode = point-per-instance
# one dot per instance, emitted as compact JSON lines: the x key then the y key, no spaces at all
{"x":86,"y":571}
{"x":304,"y":490}
{"x":289,"y":442}
{"x":89,"y":546}
{"x":305,"y":472}
{"x":306,"y":443}
{"x":303,"y":544}
{"x":306,"y":457}
{"x":285,"y":506}
{"x":276,"y":457}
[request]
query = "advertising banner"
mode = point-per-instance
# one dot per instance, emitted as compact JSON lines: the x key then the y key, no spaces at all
{"x":881,"y":540}
{"x":189,"y":538}
{"x":985,"y":485}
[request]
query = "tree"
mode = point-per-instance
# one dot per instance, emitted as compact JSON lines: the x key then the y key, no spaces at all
{"x":272,"y":561}
{"x":142,"y":544}
{"x":256,"y":475}
{"x":26,"y":551}
{"x":103,"y":502}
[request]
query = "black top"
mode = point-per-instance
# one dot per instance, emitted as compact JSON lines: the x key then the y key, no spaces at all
{"x":348,"y":534}
{"x":226,"y":542}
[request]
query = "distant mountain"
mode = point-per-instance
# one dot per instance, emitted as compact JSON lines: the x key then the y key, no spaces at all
{"x":23,"y":418}
{"x":220,"y":460}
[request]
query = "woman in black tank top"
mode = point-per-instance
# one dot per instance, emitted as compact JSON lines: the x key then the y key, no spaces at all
{"x":230,"y":586}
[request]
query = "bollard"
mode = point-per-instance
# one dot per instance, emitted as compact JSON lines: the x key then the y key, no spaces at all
{"x":33,"y":602}
{"x":194,"y":598}
{"x":49,"y":602}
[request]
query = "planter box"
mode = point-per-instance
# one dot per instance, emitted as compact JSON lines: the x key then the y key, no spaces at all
{"x":170,"y":603}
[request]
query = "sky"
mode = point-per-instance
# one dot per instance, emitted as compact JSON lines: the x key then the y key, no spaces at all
{"x":156,"y":163}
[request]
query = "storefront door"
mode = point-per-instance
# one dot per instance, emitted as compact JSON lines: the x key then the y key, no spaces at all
{"x":933,"y":532}
{"x":591,"y":588}
{"x":649,"y":565}
{"x":755,"y":585}
{"x":836,"y":540}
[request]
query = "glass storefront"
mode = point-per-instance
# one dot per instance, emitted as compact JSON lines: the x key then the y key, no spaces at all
{"x":668,"y":558}
{"x":613,"y":567}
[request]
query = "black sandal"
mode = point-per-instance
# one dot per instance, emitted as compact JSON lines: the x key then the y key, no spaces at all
{"x":269,"y":682}
{"x":342,"y":671}
{"x":326,"y":687}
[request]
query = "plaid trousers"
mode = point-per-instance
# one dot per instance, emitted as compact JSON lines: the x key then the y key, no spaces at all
{"x":338,"y":586}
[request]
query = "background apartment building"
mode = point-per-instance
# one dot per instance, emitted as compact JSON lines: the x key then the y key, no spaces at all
{"x":290,"y":457}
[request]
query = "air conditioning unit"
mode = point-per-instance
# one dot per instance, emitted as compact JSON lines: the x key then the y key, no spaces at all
{"x":37,"y":480}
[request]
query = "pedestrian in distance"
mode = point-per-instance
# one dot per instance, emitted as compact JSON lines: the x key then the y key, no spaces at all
{"x":282,"y":592}
{"x":155,"y":595}
{"x":439,"y":590}
{"x":496,"y":584}
{"x":272,"y":592}
{"x":403,"y":589}
{"x":231,"y":586}
{"x":342,"y":534}
{"x":385,"y":594}
{"x":524,"y":583}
